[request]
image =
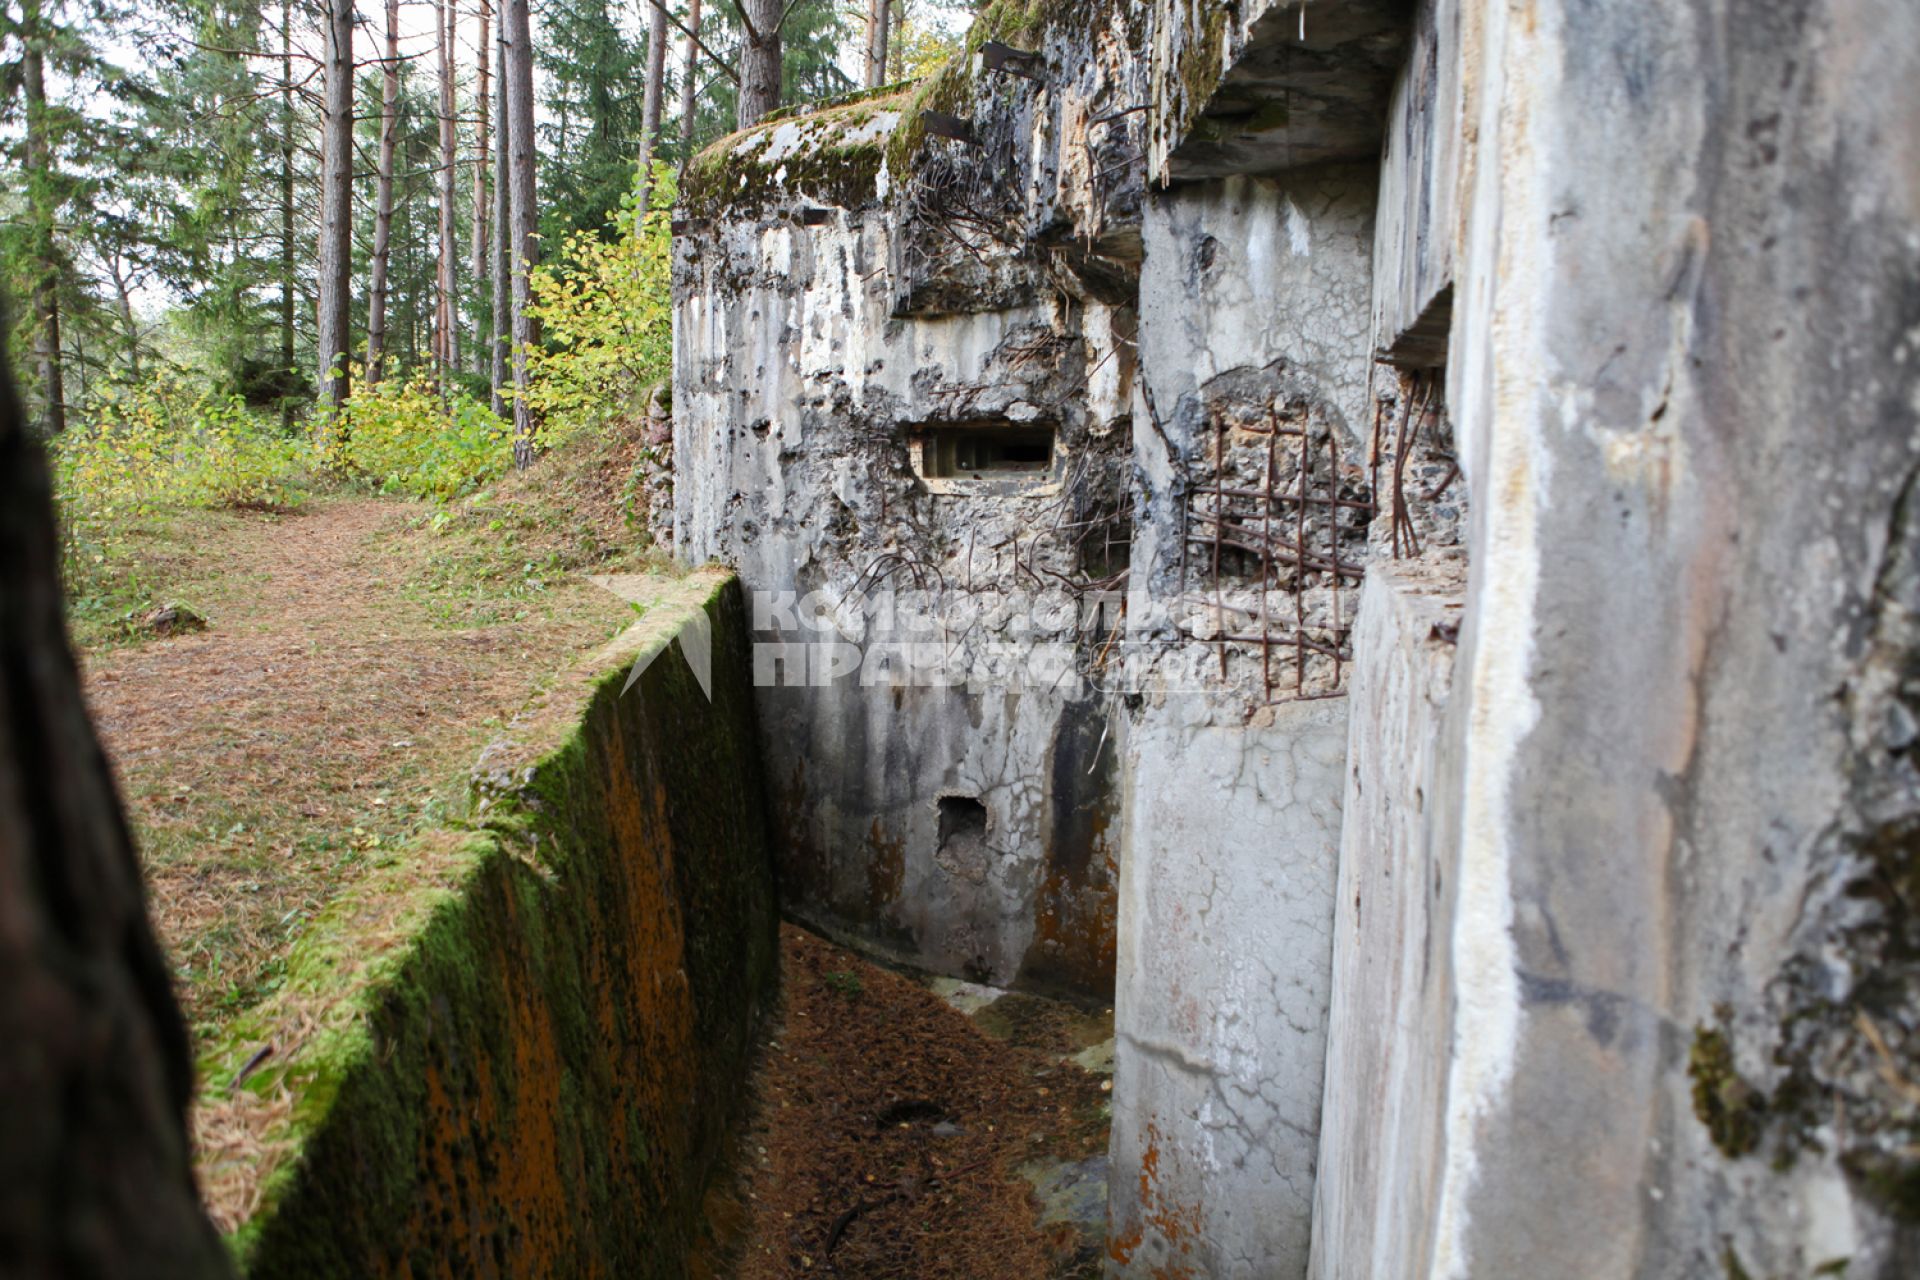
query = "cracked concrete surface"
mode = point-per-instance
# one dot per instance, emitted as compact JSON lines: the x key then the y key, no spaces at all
{"x":1226,"y":948}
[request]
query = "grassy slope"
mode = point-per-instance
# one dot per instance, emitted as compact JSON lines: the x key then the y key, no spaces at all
{"x":361,"y":651}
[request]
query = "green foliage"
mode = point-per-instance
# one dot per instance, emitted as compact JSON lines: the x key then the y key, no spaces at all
{"x":605,"y":310}
{"x":142,"y":453}
{"x":159,"y":446}
{"x":406,"y":437}
{"x":595,"y":89}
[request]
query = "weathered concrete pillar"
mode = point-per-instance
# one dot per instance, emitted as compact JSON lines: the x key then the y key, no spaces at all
{"x":1225,"y":898}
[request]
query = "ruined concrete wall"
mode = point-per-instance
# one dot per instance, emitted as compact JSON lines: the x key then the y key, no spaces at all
{"x":800,"y":406}
{"x":1390,"y":1032}
{"x":520,"y":1050}
{"x":1231,"y":836}
{"x":1420,"y":170}
{"x":1681,"y":371}
{"x":1253,"y":299}
{"x":1691,"y":269}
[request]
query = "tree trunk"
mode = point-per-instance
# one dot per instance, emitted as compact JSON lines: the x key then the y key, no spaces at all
{"x":95,"y":1178}
{"x":383,"y":199}
{"x":500,"y":343}
{"x":650,"y":106}
{"x":123,"y":296}
{"x":689,"y":86}
{"x":879,"y":22}
{"x":446,"y":276}
{"x":482,"y":350}
{"x":336,"y":211}
{"x":46,"y":264}
{"x":524,"y":247}
{"x":286,"y":214}
{"x":759,"y":60}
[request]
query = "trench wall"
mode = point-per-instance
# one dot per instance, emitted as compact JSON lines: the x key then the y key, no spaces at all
{"x":525,"y":1041}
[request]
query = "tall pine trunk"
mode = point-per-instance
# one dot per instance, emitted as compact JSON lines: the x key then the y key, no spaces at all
{"x":689,"y":85}
{"x":383,"y":199}
{"x":517,"y":90}
{"x":759,"y":60}
{"x":650,"y":106}
{"x":879,"y":22}
{"x":95,"y":1069}
{"x":482,"y":350}
{"x":500,"y":339}
{"x":41,"y":201}
{"x":287,"y":371}
{"x":446,"y":275}
{"x":336,"y":210}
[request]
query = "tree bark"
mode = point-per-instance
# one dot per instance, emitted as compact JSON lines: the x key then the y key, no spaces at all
{"x":759,"y":60}
{"x":482,"y":351}
{"x":287,"y":371}
{"x":446,"y":274}
{"x":689,"y":85}
{"x":499,"y":343}
{"x":95,"y":1178}
{"x":650,"y":105}
{"x":383,"y":199}
{"x":46,"y":265}
{"x":523,"y":245}
{"x":879,"y":22}
{"x":336,"y":211}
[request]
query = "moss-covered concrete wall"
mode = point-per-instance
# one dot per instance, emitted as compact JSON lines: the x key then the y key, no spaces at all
{"x":520,"y":1051}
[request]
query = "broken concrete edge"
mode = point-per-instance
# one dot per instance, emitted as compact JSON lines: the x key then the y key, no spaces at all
{"x":950,"y":89}
{"x":492,"y":992}
{"x":832,"y":155}
{"x":836,"y":152}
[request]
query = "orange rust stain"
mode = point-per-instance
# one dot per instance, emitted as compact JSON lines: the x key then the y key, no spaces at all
{"x":1176,"y":1225}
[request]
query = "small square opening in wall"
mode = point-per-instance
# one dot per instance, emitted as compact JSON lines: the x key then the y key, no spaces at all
{"x":961,"y":847}
{"x":985,"y":457}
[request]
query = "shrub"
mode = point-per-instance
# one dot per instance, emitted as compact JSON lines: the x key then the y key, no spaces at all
{"x":404,"y":437}
{"x":606,"y":316}
{"x":143,"y":449}
{"x":139,"y":452}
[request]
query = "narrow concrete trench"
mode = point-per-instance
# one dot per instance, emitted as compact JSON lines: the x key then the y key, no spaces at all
{"x":915,"y":1127}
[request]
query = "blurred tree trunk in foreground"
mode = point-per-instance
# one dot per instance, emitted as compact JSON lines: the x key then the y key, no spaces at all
{"x":95,"y":1075}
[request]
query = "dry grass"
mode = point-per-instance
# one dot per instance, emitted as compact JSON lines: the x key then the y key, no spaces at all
{"x":360,"y":654}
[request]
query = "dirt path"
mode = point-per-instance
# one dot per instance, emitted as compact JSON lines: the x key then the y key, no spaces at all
{"x":898,"y":1136}
{"x":334,"y":703}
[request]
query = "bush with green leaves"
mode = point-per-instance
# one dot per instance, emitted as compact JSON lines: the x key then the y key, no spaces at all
{"x":605,"y":308}
{"x":141,"y":449}
{"x":405,"y":436}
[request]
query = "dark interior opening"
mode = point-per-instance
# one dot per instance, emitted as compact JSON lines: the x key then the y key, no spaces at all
{"x":987,"y":449}
{"x":961,"y":816}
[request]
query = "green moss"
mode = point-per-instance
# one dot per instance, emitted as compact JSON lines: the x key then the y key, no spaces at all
{"x":1724,"y":1102}
{"x":488,"y":1074}
{"x":800,"y":109}
{"x":1021,"y":23}
{"x":831,"y":165}
{"x":1199,"y":68}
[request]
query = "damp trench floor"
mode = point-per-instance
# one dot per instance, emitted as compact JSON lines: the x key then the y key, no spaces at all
{"x":917,"y":1128}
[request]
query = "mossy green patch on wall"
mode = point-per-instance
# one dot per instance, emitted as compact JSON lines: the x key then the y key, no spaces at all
{"x":1724,"y":1102}
{"x":540,"y":1068}
{"x":832,"y":156}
